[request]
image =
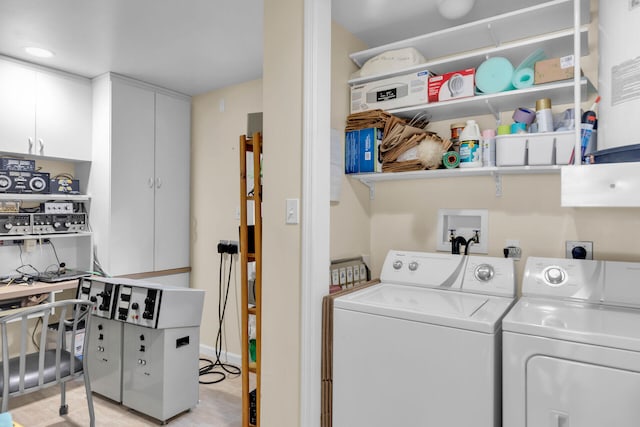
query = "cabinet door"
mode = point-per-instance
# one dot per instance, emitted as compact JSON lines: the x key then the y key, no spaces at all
{"x":132,"y":179}
{"x":63,"y":116}
{"x":172,"y":152}
{"x":17,"y":108}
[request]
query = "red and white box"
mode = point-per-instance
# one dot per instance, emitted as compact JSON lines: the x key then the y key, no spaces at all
{"x":457,"y":84}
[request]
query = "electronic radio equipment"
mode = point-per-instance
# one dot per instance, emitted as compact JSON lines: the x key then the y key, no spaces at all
{"x":44,"y":223}
{"x":15,"y":223}
{"x":17,"y":164}
{"x":56,"y":207}
{"x":16,"y":181}
{"x":65,"y":186}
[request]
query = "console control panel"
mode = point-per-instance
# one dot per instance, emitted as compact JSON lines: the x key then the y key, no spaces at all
{"x":102,"y":294}
{"x":59,"y":223}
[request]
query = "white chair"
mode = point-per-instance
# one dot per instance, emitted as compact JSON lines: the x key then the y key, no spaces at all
{"x":29,"y":372}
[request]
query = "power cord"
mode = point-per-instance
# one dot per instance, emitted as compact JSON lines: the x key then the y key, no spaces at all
{"x":211,"y":366}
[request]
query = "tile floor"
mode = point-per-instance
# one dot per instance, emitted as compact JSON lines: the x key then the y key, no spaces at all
{"x":220,"y":406}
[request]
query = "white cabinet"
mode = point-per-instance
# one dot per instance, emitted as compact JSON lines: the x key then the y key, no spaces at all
{"x":140,"y":176}
{"x":44,"y":113}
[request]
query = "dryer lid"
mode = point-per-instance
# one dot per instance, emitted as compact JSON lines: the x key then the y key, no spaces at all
{"x":475,"y":312}
{"x":597,"y":324}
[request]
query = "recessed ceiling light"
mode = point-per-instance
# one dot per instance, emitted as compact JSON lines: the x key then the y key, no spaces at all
{"x":39,"y":52}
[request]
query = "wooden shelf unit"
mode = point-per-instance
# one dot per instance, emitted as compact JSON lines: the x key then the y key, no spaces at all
{"x":253,"y":145}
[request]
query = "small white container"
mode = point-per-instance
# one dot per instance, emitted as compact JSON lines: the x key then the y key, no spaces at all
{"x":489,"y":147}
{"x":565,"y":142}
{"x":511,"y":150}
{"x":540,"y":149}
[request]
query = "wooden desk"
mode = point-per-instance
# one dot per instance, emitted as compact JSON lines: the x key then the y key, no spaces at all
{"x":18,"y":290}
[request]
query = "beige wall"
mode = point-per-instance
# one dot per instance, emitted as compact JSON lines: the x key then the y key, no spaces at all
{"x":282,"y":101}
{"x":404,"y":216}
{"x":216,"y":196}
{"x":350,"y":216}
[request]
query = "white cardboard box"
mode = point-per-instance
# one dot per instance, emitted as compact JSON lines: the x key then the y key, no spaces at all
{"x":395,"y":92}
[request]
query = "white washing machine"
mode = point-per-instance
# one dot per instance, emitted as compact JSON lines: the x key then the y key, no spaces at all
{"x":571,"y":346}
{"x":423,"y":346}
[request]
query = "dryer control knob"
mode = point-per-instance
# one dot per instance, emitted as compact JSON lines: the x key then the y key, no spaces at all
{"x":554,"y":275}
{"x":484,"y":272}
{"x":397,"y":265}
{"x":413,"y":266}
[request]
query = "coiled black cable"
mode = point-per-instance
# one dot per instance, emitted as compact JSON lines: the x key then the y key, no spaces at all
{"x":218,"y":367}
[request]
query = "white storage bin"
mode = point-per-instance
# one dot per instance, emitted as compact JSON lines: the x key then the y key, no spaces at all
{"x":540,"y":149}
{"x":511,"y":150}
{"x":565,"y":142}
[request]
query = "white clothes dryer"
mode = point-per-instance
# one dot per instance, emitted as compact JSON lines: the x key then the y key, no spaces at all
{"x":571,"y":346}
{"x":423,"y":346}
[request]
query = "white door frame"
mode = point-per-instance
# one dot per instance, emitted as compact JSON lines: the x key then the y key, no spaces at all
{"x":315,"y":256}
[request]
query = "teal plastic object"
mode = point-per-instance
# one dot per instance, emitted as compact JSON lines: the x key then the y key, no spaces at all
{"x":523,"y":76}
{"x":495,"y":75}
{"x":5,"y":420}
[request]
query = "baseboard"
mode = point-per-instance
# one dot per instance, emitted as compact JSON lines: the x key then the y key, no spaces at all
{"x":231,"y":358}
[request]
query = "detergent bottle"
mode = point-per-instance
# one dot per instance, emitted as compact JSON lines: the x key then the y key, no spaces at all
{"x":470,"y":148}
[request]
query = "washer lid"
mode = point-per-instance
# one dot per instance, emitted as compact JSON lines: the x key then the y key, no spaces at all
{"x":480,"y":313}
{"x":597,"y":324}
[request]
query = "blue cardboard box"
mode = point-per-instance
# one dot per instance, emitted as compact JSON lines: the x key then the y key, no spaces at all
{"x":362,"y":151}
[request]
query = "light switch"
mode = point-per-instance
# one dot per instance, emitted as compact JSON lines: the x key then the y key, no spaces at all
{"x":292,"y":215}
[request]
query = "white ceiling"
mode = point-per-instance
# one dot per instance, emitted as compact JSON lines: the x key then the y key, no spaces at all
{"x":191,"y":46}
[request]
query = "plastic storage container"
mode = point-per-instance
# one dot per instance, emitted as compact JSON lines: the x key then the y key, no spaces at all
{"x":511,"y":150}
{"x":540,"y":149}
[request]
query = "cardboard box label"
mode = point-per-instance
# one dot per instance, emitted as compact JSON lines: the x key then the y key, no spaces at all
{"x":394,"y":92}
{"x":361,"y":150}
{"x":457,"y":84}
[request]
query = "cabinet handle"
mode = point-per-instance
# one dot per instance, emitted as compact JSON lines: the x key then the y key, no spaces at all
{"x":158,"y":183}
{"x":41,"y":149}
{"x":150,"y":182}
{"x":30,"y":145}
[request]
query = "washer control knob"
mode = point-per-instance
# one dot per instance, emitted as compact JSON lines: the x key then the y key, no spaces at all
{"x":413,"y":266}
{"x":484,"y":272}
{"x":397,"y":265}
{"x":8,"y":226}
{"x":554,"y":275}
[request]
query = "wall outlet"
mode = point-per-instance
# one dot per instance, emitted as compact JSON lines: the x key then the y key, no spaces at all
{"x":29,"y":245}
{"x":579,"y":249}
{"x":514,"y":252}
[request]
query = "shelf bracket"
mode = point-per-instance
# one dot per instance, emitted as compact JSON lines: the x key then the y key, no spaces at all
{"x":496,"y":114}
{"x":498,"y":180}
{"x":372,"y":188}
{"x":495,"y":40}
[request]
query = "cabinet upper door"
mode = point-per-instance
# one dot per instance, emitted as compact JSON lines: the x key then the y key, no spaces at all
{"x":173,"y":154}
{"x":17,"y":107}
{"x":132,"y":179}
{"x":63,"y":116}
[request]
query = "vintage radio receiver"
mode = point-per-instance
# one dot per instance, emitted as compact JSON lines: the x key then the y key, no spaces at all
{"x":15,"y":181}
{"x":15,"y":223}
{"x":17,"y":164}
{"x":59,"y":223}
